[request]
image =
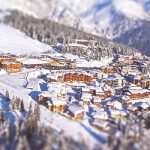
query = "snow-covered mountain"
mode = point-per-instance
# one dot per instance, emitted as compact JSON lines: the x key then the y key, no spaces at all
{"x":125,"y":21}
{"x":16,"y":42}
{"x":108,"y":15}
{"x":55,"y":10}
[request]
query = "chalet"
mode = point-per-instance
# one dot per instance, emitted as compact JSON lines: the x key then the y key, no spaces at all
{"x":86,"y":42}
{"x":133,"y":109}
{"x":56,"y":105}
{"x":101,"y":125}
{"x":93,"y":90}
{"x":57,"y":89}
{"x":130,"y":69}
{"x":86,"y":98}
{"x":43,"y":97}
{"x":109,"y":69}
{"x":75,"y":111}
{"x":102,"y":92}
{"x":78,"y":77}
{"x":54,"y":77}
{"x":101,"y":114}
{"x":32,"y":63}
{"x":12,"y":66}
{"x":51,"y":78}
{"x":136,"y":93}
{"x":114,"y":105}
{"x":7,"y":57}
{"x":73,"y":46}
{"x":118,"y":113}
{"x":145,"y":83}
{"x":115,"y":80}
{"x":96,"y":101}
{"x":125,"y":60}
{"x":86,"y":90}
{"x":142,"y":106}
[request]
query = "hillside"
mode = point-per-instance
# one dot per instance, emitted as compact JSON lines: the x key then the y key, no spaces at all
{"x":16,"y":42}
{"x":51,"y":33}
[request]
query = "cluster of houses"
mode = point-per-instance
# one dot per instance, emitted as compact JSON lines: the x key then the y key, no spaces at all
{"x":102,"y":95}
{"x":13,"y":64}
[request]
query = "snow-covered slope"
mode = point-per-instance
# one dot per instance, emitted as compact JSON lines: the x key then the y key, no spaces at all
{"x":16,"y":42}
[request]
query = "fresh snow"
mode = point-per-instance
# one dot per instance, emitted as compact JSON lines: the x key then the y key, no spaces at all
{"x":55,"y":10}
{"x":15,"y":42}
{"x":78,"y":130}
{"x":131,"y":9}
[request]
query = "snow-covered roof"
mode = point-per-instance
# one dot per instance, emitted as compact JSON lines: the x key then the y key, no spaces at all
{"x":77,"y":45}
{"x":85,"y":89}
{"x":54,"y":75}
{"x":99,"y":90}
{"x":141,"y":104}
{"x":56,"y":102}
{"x":45,"y":94}
{"x":76,"y":84}
{"x":34,"y":61}
{"x":118,"y":112}
{"x":101,"y":123}
{"x":96,"y":99}
{"x":145,"y":80}
{"x":101,"y":114}
{"x":9,"y":62}
{"x":75,"y":109}
{"x":115,"y":104}
{"x":86,"y":96}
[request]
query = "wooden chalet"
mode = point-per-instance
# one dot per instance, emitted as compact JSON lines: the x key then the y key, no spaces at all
{"x":114,"y":105}
{"x":56,"y":105}
{"x":101,"y":125}
{"x":96,"y":101}
{"x":77,"y":77}
{"x":138,"y":94}
{"x":54,"y":77}
{"x":145,"y":83}
{"x":12,"y":66}
{"x":75,"y":111}
{"x":86,"y":99}
{"x":118,"y":113}
{"x":125,"y":60}
{"x":103,"y":93}
{"x":7,"y":57}
{"x":43,"y":97}
{"x":133,"y":109}
{"x":109,"y":69}
{"x":101,"y":114}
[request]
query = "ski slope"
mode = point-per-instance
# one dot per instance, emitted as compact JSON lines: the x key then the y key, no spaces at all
{"x":15,"y":42}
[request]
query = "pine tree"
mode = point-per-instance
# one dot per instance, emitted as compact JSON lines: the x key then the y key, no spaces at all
{"x":21,"y":107}
{"x":7,"y":95}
